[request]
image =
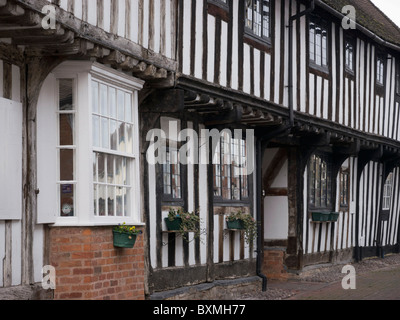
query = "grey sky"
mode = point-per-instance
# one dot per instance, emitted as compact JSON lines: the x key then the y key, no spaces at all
{"x":391,"y":8}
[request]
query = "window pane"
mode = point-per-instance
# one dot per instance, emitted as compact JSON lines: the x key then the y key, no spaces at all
{"x":113,"y":135}
{"x":105,"y":137}
{"x":121,"y":137}
{"x":126,"y":169}
{"x":127,"y":201}
{"x":95,"y":203}
{"x":67,"y":200}
{"x":266,"y":19}
{"x":324,"y":48}
{"x":249,"y":14}
{"x":129,"y":138}
{"x":119,"y":171}
{"x":103,"y":100}
{"x":112,"y":102}
{"x":398,"y":78}
{"x":111,"y":200}
{"x":96,"y":131}
{"x":128,"y":108}
{"x":312,"y":41}
{"x":95,"y":97}
{"x":257,"y":17}
{"x":94,"y":167}
{"x":102,"y":200}
{"x":66,"y":165}
{"x":66,"y":127}
{"x":119,"y":202}
{"x":101,"y":159}
{"x":110,"y":169}
{"x":65,"y":94}
{"x":312,"y":177}
{"x":121,"y":105}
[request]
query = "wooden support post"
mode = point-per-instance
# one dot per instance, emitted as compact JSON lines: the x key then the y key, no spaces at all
{"x":36,"y":71}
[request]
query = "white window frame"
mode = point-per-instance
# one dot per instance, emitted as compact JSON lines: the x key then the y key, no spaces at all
{"x":387,"y":193}
{"x":83,"y":72}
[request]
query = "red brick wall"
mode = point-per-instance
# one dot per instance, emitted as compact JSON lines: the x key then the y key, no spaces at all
{"x":89,"y":267}
{"x":273,"y":266}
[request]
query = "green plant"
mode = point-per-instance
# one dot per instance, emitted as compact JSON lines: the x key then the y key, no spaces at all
{"x":123,"y":228}
{"x":249,"y":223}
{"x":190,"y":222}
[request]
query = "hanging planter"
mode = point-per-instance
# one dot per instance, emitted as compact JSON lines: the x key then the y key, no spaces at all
{"x":173,"y":224}
{"x":235,"y":224}
{"x":334,"y":216}
{"x":183,"y":223}
{"x":242,"y":221}
{"x":125,"y":236}
{"x":320,"y":216}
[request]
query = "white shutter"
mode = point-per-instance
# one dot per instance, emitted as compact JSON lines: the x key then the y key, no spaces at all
{"x":47,"y":153}
{"x":10,"y":160}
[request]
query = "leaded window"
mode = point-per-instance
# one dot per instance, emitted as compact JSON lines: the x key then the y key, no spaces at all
{"x":318,"y":33}
{"x":387,"y":192}
{"x":320,"y":182}
{"x":258,"y":18}
{"x":230,"y":176}
{"x":380,"y":70}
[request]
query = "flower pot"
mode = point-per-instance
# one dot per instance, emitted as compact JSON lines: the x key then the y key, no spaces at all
{"x":320,"y":216}
{"x":236,"y":224}
{"x":124,"y":240}
{"x":334,"y":216}
{"x":174,"y":225}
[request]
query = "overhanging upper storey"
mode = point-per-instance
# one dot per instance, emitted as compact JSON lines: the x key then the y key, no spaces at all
{"x":123,"y":34}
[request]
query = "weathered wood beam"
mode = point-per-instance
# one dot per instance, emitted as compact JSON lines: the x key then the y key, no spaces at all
{"x":8,"y":8}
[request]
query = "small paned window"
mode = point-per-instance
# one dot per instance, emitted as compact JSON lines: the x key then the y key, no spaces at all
{"x":380,"y":70}
{"x":66,"y":147}
{"x":320,"y":182}
{"x":344,"y":188}
{"x":172,"y":185}
{"x":387,"y":193}
{"x":398,"y":79}
{"x":258,"y":19}
{"x":318,"y":44}
{"x":349,"y":56}
{"x":230,"y":176}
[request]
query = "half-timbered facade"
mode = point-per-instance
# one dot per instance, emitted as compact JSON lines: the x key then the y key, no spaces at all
{"x":314,"y":96}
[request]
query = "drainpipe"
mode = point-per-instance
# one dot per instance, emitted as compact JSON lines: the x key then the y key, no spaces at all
{"x":291,"y":20}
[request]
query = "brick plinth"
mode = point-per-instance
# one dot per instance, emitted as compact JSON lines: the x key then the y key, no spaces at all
{"x":273,"y":266}
{"x":89,"y":267}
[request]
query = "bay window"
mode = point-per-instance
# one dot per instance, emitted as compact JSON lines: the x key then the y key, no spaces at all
{"x":97,"y":150}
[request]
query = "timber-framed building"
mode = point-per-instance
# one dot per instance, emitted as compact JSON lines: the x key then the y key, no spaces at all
{"x":81,"y":89}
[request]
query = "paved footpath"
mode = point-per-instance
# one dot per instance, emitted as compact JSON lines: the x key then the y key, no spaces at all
{"x":377,"y":285}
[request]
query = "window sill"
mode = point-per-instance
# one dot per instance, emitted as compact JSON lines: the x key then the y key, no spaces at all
{"x":260,"y":43}
{"x":219,"y":10}
{"x":96,"y":222}
{"x":319,"y":70}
